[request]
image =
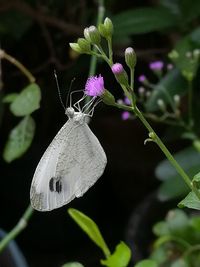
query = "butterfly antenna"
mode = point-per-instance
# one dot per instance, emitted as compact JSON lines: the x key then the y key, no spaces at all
{"x":59,"y":92}
{"x":68,"y":94}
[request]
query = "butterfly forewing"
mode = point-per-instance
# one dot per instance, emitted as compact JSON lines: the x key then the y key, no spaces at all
{"x":69,"y":167}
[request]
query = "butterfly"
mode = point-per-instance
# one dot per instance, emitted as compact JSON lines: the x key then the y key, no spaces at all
{"x":71,"y":164}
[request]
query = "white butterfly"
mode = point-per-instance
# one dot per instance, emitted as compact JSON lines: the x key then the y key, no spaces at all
{"x":72,"y":163}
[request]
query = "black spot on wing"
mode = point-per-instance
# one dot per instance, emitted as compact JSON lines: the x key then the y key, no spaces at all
{"x":51,"y":184}
{"x":55,"y":184}
{"x":58,"y":186}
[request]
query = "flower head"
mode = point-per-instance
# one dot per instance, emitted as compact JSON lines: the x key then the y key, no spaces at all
{"x":125,"y":115}
{"x":117,"y":68}
{"x":127,"y":101}
{"x":94,"y":86}
{"x":142,"y":78}
{"x":156,"y":65}
{"x":130,"y":57}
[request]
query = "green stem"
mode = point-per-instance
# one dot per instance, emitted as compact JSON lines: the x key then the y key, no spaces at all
{"x":100,"y":15}
{"x":164,"y":149}
{"x":17,"y":64}
{"x":132,"y":79}
{"x":190,"y":97}
{"x":110,"y":51}
{"x":19,"y":227}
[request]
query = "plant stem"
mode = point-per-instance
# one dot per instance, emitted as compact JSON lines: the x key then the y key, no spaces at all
{"x":100,"y":15}
{"x":19,"y":227}
{"x":110,"y":52}
{"x":132,"y":79}
{"x":164,"y":149}
{"x":18,"y":64}
{"x":190,"y":97}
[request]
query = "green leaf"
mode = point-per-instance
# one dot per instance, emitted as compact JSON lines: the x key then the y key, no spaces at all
{"x":171,"y":84}
{"x":161,"y":228}
{"x":190,"y":201}
{"x":172,"y":188}
{"x":142,"y":20}
{"x":90,"y":228}
{"x":73,"y":264}
{"x":9,"y":98}
{"x":196,"y":177}
{"x":27,"y":101}
{"x":20,"y":139}
{"x":146,"y":263}
{"x":120,"y":257}
{"x":177,"y":222}
{"x":179,"y":263}
{"x":188,"y":158}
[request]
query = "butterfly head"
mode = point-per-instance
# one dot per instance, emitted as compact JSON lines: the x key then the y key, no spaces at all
{"x":70,"y":112}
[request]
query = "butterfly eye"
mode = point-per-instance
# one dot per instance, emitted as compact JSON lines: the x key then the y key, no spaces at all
{"x":70,"y":112}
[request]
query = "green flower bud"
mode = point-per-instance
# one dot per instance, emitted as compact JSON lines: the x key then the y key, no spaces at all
{"x":130,"y":57}
{"x":108,"y":26}
{"x":161,"y":104}
{"x":87,"y":34}
{"x":84,"y":45}
{"x":108,"y":98}
{"x":173,"y":54}
{"x":102,"y":30}
{"x":94,"y":35}
{"x":76,"y":47}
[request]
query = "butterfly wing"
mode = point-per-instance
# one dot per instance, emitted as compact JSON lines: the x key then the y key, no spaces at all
{"x":89,"y":161}
{"x":71,"y":164}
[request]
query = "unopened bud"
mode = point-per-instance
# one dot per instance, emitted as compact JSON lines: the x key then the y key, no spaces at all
{"x":108,"y":26}
{"x":177,"y":100}
{"x":108,"y":98}
{"x":196,"y":54}
{"x":120,"y":74}
{"x":94,"y":35}
{"x":84,"y":45}
{"x":173,"y":54}
{"x":76,"y":48}
{"x":130,"y":57}
{"x":161,"y":104}
{"x":86,"y":34}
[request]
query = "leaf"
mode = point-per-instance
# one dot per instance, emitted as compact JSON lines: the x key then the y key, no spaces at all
{"x":177,"y":222}
{"x":188,"y":158}
{"x":90,"y":228}
{"x":161,"y":228}
{"x":9,"y":98}
{"x":142,"y":20}
{"x":20,"y":139}
{"x":73,"y":264}
{"x":179,"y":263}
{"x":27,"y":101}
{"x":190,"y":201}
{"x":146,"y":263}
{"x":171,"y":84}
{"x":172,"y":188}
{"x":120,"y":257}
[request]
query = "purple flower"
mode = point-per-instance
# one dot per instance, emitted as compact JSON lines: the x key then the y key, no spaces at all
{"x":127,"y":101}
{"x":117,"y":68}
{"x":94,"y":86}
{"x":125,"y":115}
{"x":156,"y":65}
{"x":142,"y":78}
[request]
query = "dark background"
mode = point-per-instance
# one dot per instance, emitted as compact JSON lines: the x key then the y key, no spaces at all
{"x":52,"y":238}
